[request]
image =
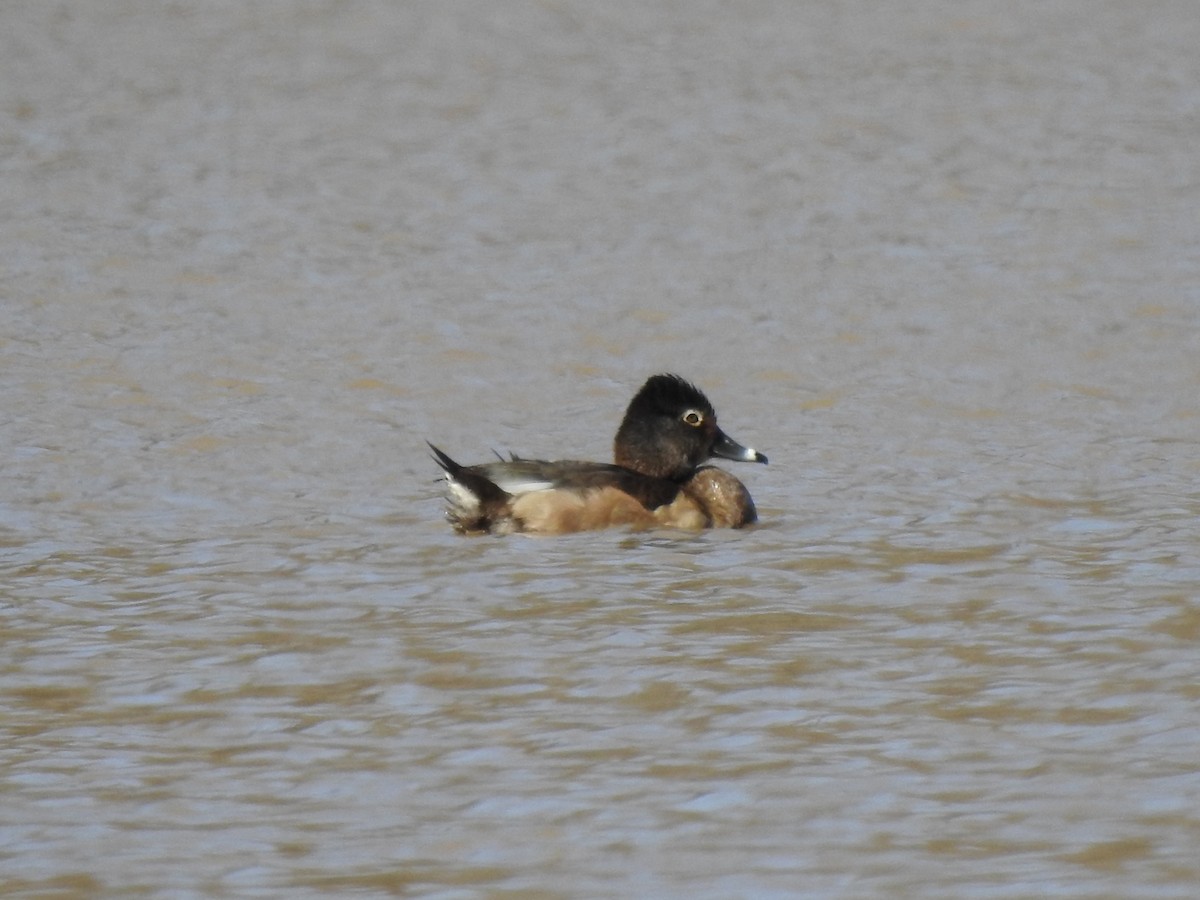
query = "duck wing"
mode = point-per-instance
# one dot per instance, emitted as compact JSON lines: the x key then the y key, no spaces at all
{"x":521,"y":476}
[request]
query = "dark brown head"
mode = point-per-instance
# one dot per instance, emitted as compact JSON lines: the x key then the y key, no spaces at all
{"x":670,"y":429}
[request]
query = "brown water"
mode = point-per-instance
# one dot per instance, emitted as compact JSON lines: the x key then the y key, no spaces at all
{"x":940,"y":261}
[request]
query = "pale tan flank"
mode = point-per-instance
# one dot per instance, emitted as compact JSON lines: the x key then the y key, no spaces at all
{"x":712,"y":497}
{"x":560,"y":512}
{"x":682,"y":512}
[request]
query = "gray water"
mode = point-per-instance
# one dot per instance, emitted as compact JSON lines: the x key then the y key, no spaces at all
{"x":940,"y":261}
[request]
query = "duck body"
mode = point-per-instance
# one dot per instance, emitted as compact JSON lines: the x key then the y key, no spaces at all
{"x":657,"y":480}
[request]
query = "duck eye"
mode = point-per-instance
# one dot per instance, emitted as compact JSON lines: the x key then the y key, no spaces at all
{"x":694,"y":417}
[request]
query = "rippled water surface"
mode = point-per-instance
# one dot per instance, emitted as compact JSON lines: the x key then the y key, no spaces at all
{"x":940,"y":264}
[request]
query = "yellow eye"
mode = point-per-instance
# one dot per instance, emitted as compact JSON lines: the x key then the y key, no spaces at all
{"x":694,"y":417}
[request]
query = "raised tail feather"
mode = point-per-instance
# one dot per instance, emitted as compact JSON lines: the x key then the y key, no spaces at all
{"x":475,"y":501}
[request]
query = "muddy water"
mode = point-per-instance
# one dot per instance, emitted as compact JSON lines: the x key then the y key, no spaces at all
{"x":943,"y":269}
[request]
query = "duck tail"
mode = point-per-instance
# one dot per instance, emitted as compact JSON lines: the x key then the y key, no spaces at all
{"x":475,"y":501}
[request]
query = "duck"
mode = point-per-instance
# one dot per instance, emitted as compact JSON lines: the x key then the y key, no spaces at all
{"x":657,"y":478}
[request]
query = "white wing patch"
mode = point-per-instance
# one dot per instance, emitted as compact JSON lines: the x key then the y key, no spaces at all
{"x":515,"y":484}
{"x":465,"y":499}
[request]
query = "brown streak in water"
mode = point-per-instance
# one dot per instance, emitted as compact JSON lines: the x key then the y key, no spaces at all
{"x":766,"y":623}
{"x":1108,"y":855}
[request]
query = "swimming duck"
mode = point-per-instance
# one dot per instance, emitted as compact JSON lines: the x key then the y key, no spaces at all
{"x":657,"y":478}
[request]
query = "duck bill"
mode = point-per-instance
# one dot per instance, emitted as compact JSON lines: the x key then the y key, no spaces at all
{"x":727,"y":448}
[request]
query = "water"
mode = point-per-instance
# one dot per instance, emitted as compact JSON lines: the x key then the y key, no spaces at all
{"x":942,"y":270}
